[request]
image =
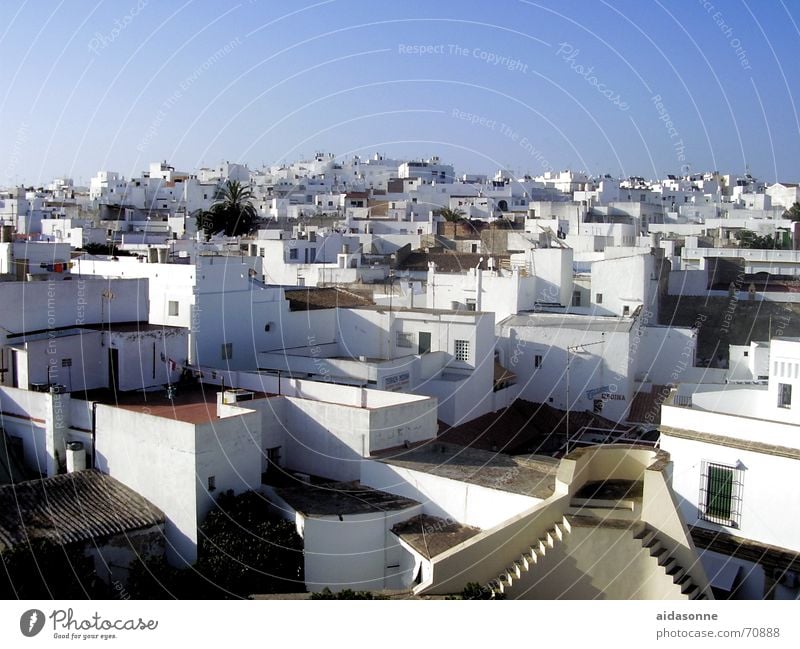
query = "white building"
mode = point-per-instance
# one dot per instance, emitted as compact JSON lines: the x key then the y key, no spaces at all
{"x":441,"y":354}
{"x":589,"y":363}
{"x":736,"y":455}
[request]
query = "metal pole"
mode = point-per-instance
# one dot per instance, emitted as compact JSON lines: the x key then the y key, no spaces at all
{"x":569,"y":349}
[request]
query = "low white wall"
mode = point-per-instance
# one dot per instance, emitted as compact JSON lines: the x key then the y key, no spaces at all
{"x":358,"y":552}
{"x":688,"y":282}
{"x":466,"y":503}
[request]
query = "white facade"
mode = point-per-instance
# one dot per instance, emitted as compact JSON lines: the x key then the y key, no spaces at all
{"x":745,"y":438}
{"x":445,"y":355}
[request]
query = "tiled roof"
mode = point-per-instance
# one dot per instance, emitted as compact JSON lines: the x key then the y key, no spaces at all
{"x":312,"y":298}
{"x":70,"y":508}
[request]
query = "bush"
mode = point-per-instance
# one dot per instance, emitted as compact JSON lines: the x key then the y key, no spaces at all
{"x":326,"y":593}
{"x":242,"y":551}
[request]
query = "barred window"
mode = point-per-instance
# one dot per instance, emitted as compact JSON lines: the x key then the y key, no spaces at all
{"x":784,"y":395}
{"x":721,"y":494}
{"x":462,"y":350}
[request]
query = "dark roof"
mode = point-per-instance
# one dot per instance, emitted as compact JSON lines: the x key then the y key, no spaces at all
{"x":646,"y":406}
{"x":769,"y":556}
{"x":339,"y":498}
{"x":309,"y":299}
{"x":523,"y":427}
{"x":70,"y":508}
{"x":446,"y":262}
{"x":430,"y":535}
{"x":532,"y":476}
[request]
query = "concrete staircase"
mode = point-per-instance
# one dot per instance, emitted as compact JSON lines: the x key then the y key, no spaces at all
{"x":625,"y":509}
{"x":530,"y":558}
{"x":680,"y":576}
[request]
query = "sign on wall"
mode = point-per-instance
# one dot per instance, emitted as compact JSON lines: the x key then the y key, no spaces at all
{"x":397,"y":382}
{"x":605,"y":393}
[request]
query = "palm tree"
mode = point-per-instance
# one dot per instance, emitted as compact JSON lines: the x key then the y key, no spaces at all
{"x":233,"y":211}
{"x":451,"y":215}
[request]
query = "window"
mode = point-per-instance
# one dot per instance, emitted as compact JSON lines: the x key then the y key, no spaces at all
{"x":746,"y":353}
{"x":471,"y":304}
{"x":173,"y":307}
{"x":784,"y":395}
{"x":462,"y":350}
{"x":405,"y":339}
{"x":292,"y":253}
{"x":261,"y":252}
{"x":66,"y":362}
{"x":597,"y":406}
{"x":598,"y":297}
{"x":537,"y":361}
{"x":721,"y":494}
{"x":576,"y":298}
{"x":227,"y":351}
{"x":274,"y":455}
{"x":212,"y":483}
{"x":626,"y":310}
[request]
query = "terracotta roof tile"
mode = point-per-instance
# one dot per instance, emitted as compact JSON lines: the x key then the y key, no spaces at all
{"x":70,"y":508}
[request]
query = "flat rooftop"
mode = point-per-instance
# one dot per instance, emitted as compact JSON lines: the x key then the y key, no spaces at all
{"x":575,"y":321}
{"x":431,"y":535}
{"x":532,"y":476}
{"x":340,"y":498}
{"x":193,"y":403}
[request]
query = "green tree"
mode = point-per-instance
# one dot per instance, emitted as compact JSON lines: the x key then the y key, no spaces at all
{"x":749,"y":239}
{"x":44,"y":570}
{"x":451,"y":215}
{"x":793,"y":213}
{"x":233,"y":212}
{"x":347,"y":593}
{"x":243,"y":550}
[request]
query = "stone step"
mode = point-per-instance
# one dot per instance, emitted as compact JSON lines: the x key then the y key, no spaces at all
{"x":599,"y":503}
{"x":600,"y":513}
{"x":649,"y":539}
{"x":666,"y":560}
{"x":678,"y":575}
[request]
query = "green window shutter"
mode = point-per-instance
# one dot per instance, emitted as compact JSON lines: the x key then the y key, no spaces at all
{"x":720,"y":492}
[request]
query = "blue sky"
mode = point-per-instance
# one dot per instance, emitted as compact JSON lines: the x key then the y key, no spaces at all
{"x":631,"y":87}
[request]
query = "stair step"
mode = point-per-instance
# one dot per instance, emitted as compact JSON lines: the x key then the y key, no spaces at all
{"x":556,"y":533}
{"x":517,"y":569}
{"x":640,"y":530}
{"x":666,"y":560}
{"x":649,"y":539}
{"x":565,"y":524}
{"x":659,"y":552}
{"x":602,"y":513}
{"x":678,"y":576}
{"x":690,"y":589}
{"x":599,"y":503}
